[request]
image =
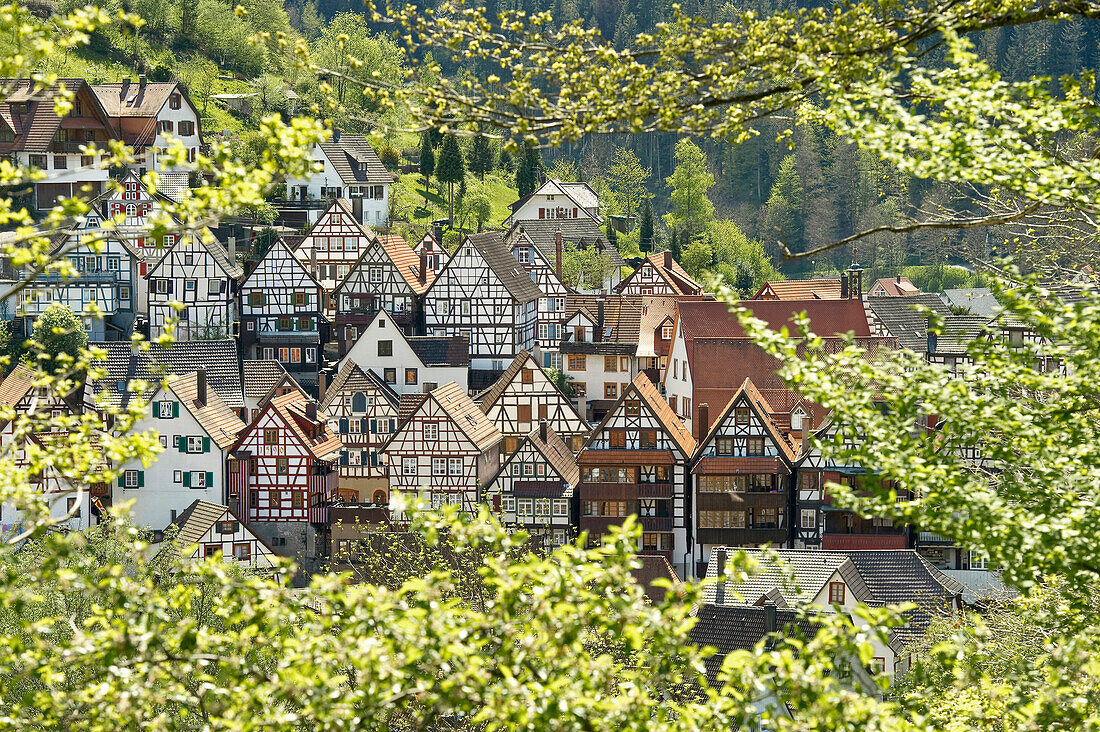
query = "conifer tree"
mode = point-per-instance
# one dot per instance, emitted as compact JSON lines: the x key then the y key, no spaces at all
{"x":612,"y":235}
{"x":645,"y":228}
{"x":427,"y":161}
{"x":451,"y":169}
{"x":481,"y":156}
{"x":530,"y":171}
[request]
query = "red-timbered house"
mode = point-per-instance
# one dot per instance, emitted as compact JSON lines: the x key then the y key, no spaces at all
{"x":525,"y":396}
{"x":333,"y":245}
{"x":742,"y":477}
{"x":446,"y":449}
{"x":264,"y":380}
{"x":284,"y":473}
{"x":364,"y":408}
{"x":535,"y":489}
{"x":282,"y":317}
{"x":635,"y":463}
{"x":659,"y":274}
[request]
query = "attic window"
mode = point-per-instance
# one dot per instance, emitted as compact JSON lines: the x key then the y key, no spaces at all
{"x":362,"y":165}
{"x":175,"y":101}
{"x":632,"y":408}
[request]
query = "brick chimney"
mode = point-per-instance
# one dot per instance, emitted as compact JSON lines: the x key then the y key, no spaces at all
{"x":311,"y":411}
{"x":423,"y":265}
{"x":232,"y":249}
{"x":557,"y":254}
{"x":322,"y":385}
{"x":844,"y":286}
{"x":702,"y":421}
{"x":542,"y":430}
{"x":200,"y":386}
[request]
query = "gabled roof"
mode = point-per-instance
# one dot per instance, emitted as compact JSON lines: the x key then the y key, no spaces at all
{"x":656,"y":404}
{"x":827,"y":288}
{"x":209,"y":242}
{"x":16,"y":385}
{"x":466,"y":416}
{"x":200,"y":516}
{"x":214,"y":416}
{"x":730,"y":628}
{"x":410,"y":402}
{"x":263,"y":375}
{"x":489,"y":397}
{"x":135,"y":99}
{"x":452,"y":351}
{"x":622,"y":314}
{"x":407,"y":262}
{"x":827,"y":317}
{"x":670,"y":271}
{"x":490,"y":245}
{"x":957,"y":333}
{"x":124,"y":363}
{"x":265,"y":262}
{"x":900,"y":316}
{"x":763,"y":410}
{"x":292,"y":408}
{"x":654,"y":567}
{"x":557,"y":453}
{"x":579,"y":193}
{"x":581,"y":233}
{"x":352,"y":378}
{"x":893,"y":287}
{"x":976,"y":300}
{"x":34,"y":130}
{"x":348,"y":152}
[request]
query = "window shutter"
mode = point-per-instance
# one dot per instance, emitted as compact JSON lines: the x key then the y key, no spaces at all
{"x":210,"y":480}
{"x":364,"y":457}
{"x":343,"y":426}
{"x":393,"y":424}
{"x":170,"y":283}
{"x":343,"y":457}
{"x":183,"y":443}
{"x":141,"y":479}
{"x":373,"y":426}
{"x":374,"y":459}
{"x":187,"y":479}
{"x":122,"y":479}
{"x":206,"y":444}
{"x":175,"y":407}
{"x":363,"y":425}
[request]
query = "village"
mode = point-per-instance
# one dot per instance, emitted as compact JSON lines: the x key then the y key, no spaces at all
{"x":345,"y":365}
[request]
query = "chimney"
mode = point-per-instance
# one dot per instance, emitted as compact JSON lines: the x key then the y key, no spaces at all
{"x":322,"y":385}
{"x":423,"y":265}
{"x":769,"y":618}
{"x":557,"y":254}
{"x":930,"y":345}
{"x":125,"y":87}
{"x":542,"y":430}
{"x":141,"y":80}
{"x":336,"y":134}
{"x":898,"y":280}
{"x":313,"y":260}
{"x":200,"y":386}
{"x":720,"y":588}
{"x":844,"y":286}
{"x":702,"y":421}
{"x":311,"y":411}
{"x":857,"y":285}
{"x":437,"y":231}
{"x":666,"y":259}
{"x":233,"y":249}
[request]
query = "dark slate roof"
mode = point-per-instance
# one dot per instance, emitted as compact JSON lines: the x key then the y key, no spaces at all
{"x":261,"y":376}
{"x":219,"y":358}
{"x":348,"y":152}
{"x":352,"y":379}
{"x":441,"y":350}
{"x":729,"y":629}
{"x":481,"y":380}
{"x":958,"y":332}
{"x":976,"y":300}
{"x":654,"y":567}
{"x":900,"y":316}
{"x":512,"y":275}
{"x":583,"y":232}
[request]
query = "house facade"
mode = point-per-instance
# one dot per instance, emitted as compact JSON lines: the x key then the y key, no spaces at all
{"x":282,"y":318}
{"x":446,"y":449}
{"x":485,"y":295}
{"x":333,"y":245}
{"x":195,"y":271}
{"x":212,"y":531}
{"x":346,"y":167}
{"x":546,"y":273}
{"x":636,"y":463}
{"x":659,"y":274}
{"x":598,"y":347}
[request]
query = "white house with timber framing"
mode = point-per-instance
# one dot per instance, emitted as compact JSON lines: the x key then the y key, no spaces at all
{"x":197,"y":272}
{"x":206,"y":531}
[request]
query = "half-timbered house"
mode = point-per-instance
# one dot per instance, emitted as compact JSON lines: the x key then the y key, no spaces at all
{"x":430,"y":251}
{"x":635,"y":463}
{"x":535,"y":489}
{"x":333,"y":245}
{"x":284,"y":474}
{"x":742,"y":478}
{"x":131,"y":212}
{"x":484,"y":294}
{"x":71,"y":504}
{"x":263,"y":381}
{"x":349,"y":168}
{"x":599,"y":344}
{"x":195,"y":271}
{"x":387,"y":276}
{"x":446,"y":449}
{"x":282,"y":317}
{"x":547,"y":275}
{"x":659,"y":274}
{"x":409,"y":363}
{"x":365,"y":410}
{"x":205,"y":531}
{"x":525,"y":396}
{"x":196,"y":429}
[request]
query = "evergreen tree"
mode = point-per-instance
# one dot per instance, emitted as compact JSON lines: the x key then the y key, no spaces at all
{"x":692,"y":211}
{"x":505,"y":160}
{"x":451,"y":169}
{"x":612,"y":235}
{"x":783,"y":212}
{"x":481,"y":156}
{"x":645,"y":228}
{"x":530,"y":171}
{"x":427,"y":161}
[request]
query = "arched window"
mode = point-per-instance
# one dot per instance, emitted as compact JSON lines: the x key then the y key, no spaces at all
{"x":379,"y":498}
{"x":131,"y":210}
{"x":359,"y":402}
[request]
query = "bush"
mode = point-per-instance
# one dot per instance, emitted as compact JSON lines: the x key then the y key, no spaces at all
{"x":390,"y":157}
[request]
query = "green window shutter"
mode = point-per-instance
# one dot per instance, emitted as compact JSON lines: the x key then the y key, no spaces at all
{"x":156,"y":410}
{"x":122,"y":479}
{"x":141,"y":478}
{"x":343,"y":457}
{"x":175,"y":409}
{"x":206,"y":444}
{"x":373,"y":427}
{"x":343,"y":426}
{"x":364,"y":457}
{"x":209,"y":480}
{"x":393,"y":425}
{"x":363,"y":425}
{"x":183,"y":443}
{"x":187,"y":479}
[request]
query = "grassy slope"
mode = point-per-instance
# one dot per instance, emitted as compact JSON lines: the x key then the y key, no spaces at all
{"x":501,"y":194}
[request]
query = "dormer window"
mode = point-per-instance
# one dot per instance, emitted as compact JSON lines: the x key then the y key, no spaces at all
{"x":796,"y":418}
{"x":175,"y":101}
{"x":666,"y":332}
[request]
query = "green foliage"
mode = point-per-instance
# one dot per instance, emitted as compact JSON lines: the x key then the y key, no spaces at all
{"x":564,"y":170}
{"x":529,"y":172}
{"x":934,"y":278}
{"x":452,"y":240}
{"x":627,"y":181}
{"x":691,"y":211}
{"x":390,"y":157}
{"x":58,"y":337}
{"x":584,"y":268}
{"x":645,"y":228}
{"x":783,"y":213}
{"x":481,"y":156}
{"x":450,"y":169}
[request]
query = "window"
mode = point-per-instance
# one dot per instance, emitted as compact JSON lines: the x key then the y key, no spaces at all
{"x":198,"y":479}
{"x":632,"y":408}
{"x":167,"y":410}
{"x":617,"y":438}
{"x":271,"y":436}
{"x":576,"y":363}
{"x":226,"y":527}
{"x":431,"y":431}
{"x":175,"y":101}
{"x":186,"y":129}
{"x":253,"y":499}
{"x":523,"y":413}
{"x":408,"y":466}
{"x":60,"y":162}
{"x":561,"y":507}
{"x":610,"y":363}
{"x":376,"y":275}
{"x":166,"y":125}
{"x":615,"y":509}
{"x":723,"y":483}
{"x":297,"y":500}
{"x":385,"y":348}
{"x":647,"y":440}
{"x":213,"y":287}
{"x":439,"y":466}
{"x":610,"y":391}
{"x":177,"y":476}
{"x":836,"y":593}
{"x":809,"y":518}
{"x":741,"y":415}
{"x":724,"y":445}
{"x":132,"y":479}
{"x":754,"y":446}
{"x":411,"y":376}
{"x":242,"y":552}
{"x":454,"y":466}
{"x":295,"y":355}
{"x":282,"y":466}
{"x":542,"y":507}
{"x":390,"y":376}
{"x":195,"y":444}
{"x":527,"y":376}
{"x":525,"y":508}
{"x":721,"y":519}
{"x":211,"y":550}
{"x":666,"y":332}
{"x":256,"y":299}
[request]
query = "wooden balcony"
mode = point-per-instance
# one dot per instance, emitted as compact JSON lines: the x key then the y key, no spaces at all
{"x":740,"y":501}
{"x":601,"y":524}
{"x":623,"y":491}
{"x":742,"y":537}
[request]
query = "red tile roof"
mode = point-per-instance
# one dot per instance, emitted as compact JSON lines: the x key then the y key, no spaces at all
{"x":406,"y":260}
{"x":819,"y":289}
{"x":827,"y":317}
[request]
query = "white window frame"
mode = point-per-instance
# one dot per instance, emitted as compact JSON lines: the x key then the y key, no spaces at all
{"x":409,"y":465}
{"x":439,"y":466}
{"x":454,"y":467}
